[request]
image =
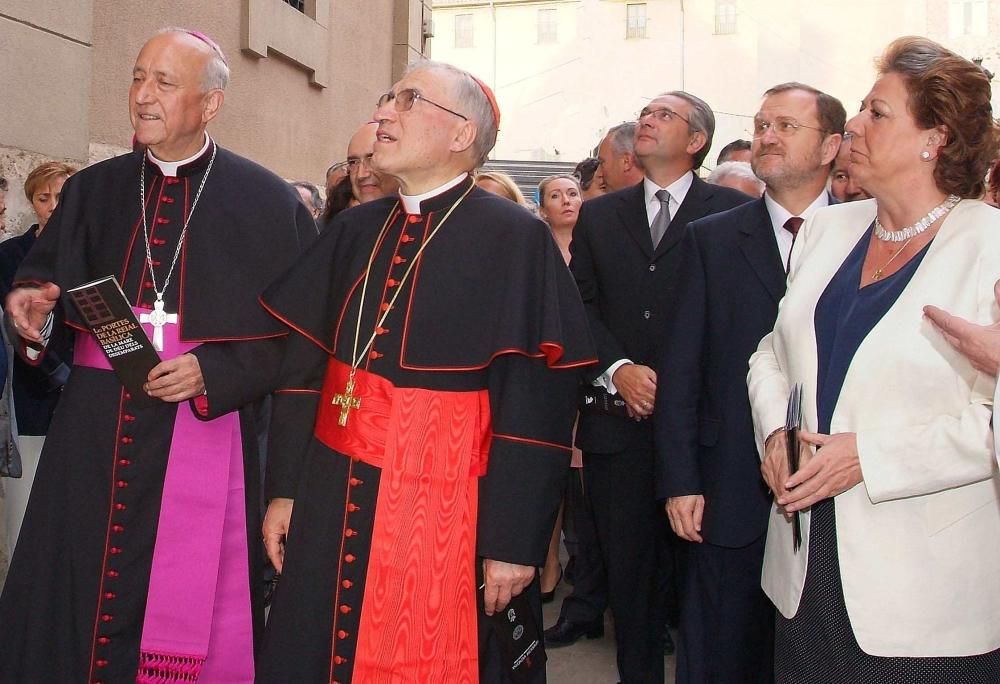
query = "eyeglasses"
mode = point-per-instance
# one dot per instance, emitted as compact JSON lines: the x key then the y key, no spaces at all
{"x":354,"y":163}
{"x":404,"y":99}
{"x":661,"y":114}
{"x":783,"y":128}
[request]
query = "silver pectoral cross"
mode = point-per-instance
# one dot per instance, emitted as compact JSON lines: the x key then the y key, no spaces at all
{"x":158,"y":318}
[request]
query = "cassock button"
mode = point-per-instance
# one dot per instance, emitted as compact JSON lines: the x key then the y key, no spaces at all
{"x":112,"y":573}
{"x":381,"y":331}
{"x":127,"y":395}
{"x":414,"y":218}
{"x":385,"y":306}
{"x":127,"y":440}
{"x":156,"y":262}
{"x":339,"y":660}
{"x":124,"y":462}
{"x":104,"y":641}
{"x":128,"y":418}
{"x":101,"y":663}
{"x":391,"y":283}
{"x":374,"y":355}
{"x":349,"y":558}
{"x":407,"y":238}
{"x":345,"y":609}
{"x":168,"y":199}
{"x":106,"y":618}
{"x":120,"y":507}
{"x":162,"y":220}
{"x":349,"y":532}
{"x":354,"y":483}
{"x":121,"y":484}
{"x":109,"y":595}
{"x":347,"y":584}
{"x":115,"y":550}
{"x":159,"y":242}
{"x":341,"y":634}
{"x":398,"y":260}
{"x":117,"y":529}
{"x":173,"y":180}
{"x":352,"y":508}
{"x":148,"y":284}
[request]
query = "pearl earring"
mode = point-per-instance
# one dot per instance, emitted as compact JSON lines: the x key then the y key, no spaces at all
{"x":925,"y":155}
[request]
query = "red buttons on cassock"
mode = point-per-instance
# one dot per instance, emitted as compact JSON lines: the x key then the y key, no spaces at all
{"x":168,"y":199}
{"x":347,"y":584}
{"x":156,"y":262}
{"x":341,"y":634}
{"x":112,"y":573}
{"x":120,"y":507}
{"x":159,"y":242}
{"x":127,"y":440}
{"x":398,"y":260}
{"x":121,"y":484}
{"x":109,"y":595}
{"x":339,"y":660}
{"x":351,"y":508}
{"x":414,"y":219}
{"x":391,"y":282}
{"x":349,"y":558}
{"x":104,"y":641}
{"x":128,"y":418}
{"x":345,"y":609}
{"x":115,"y":550}
{"x":124,"y":462}
{"x":173,"y":180}
{"x":381,"y":331}
{"x":101,"y":663}
{"x":374,"y":355}
{"x":407,"y":238}
{"x":128,"y":396}
{"x":148,"y":284}
{"x":117,"y":529}
{"x":354,"y":483}
{"x":349,"y":532}
{"x":385,"y":306}
{"x":106,"y":618}
{"x":161,"y":220}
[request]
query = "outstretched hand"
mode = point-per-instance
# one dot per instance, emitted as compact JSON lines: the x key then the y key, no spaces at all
{"x":29,"y":307}
{"x":979,"y":343}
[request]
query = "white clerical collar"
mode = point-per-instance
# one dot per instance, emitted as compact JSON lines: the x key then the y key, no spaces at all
{"x":678,"y":189}
{"x":411,"y":203}
{"x":169,"y":169}
{"x":779,"y":215}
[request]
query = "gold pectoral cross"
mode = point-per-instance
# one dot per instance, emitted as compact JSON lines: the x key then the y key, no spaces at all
{"x":346,"y":402}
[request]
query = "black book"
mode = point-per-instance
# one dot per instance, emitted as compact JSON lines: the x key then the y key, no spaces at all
{"x":793,"y":423}
{"x":521,"y":646}
{"x":597,"y":400}
{"x":106,"y":311}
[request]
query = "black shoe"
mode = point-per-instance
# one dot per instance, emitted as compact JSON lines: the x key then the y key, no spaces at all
{"x":566,"y":632}
{"x":668,"y":643}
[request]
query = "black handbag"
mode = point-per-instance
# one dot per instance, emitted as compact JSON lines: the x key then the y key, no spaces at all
{"x":10,"y":457}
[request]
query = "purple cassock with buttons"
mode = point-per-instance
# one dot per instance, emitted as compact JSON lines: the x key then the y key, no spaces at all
{"x":140,"y":545}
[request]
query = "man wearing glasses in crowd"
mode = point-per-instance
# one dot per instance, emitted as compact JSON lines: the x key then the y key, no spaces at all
{"x":625,"y":262}
{"x":440,"y":335}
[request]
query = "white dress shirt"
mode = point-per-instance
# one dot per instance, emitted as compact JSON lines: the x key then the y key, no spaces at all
{"x":779,"y":215}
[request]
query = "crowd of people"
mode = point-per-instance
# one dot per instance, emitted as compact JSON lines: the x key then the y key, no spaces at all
{"x":458,"y":379}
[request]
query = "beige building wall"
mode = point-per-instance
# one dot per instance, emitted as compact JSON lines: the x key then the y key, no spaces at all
{"x":559,"y":99}
{"x":301,"y":82}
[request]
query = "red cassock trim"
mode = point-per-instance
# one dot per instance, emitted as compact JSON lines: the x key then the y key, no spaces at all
{"x":419,"y":618}
{"x":536,"y":442}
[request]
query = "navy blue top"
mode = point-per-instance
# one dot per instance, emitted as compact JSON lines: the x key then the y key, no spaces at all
{"x":845,"y":314}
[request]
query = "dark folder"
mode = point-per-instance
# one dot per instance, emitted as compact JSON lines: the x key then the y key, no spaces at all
{"x":793,"y":423}
{"x":106,"y":311}
{"x":521,"y":647}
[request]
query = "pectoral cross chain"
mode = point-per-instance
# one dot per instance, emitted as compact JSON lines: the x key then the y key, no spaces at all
{"x":158,"y":318}
{"x":346,"y":401}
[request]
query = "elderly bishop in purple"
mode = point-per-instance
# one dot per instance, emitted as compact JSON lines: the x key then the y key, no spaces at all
{"x":140,"y":538}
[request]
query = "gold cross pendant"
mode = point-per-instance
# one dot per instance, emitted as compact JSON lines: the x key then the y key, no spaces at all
{"x":346,"y":402}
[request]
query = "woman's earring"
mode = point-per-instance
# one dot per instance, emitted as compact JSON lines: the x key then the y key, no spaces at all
{"x":925,"y":155}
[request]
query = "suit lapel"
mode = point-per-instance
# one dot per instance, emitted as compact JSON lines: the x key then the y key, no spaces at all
{"x":632,"y":211}
{"x":760,"y":248}
{"x":691,"y":209}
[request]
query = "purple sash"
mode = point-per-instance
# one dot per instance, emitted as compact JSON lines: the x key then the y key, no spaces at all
{"x":197,"y":621}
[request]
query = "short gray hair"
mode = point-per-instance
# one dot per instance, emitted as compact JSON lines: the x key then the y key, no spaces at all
{"x":470,"y":101}
{"x":216,"y":73}
{"x":622,"y":138}
{"x":734,"y":169}
{"x":701,"y":119}
{"x":314,"y":196}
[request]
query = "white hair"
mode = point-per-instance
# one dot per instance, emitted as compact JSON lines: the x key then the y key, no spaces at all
{"x":216,"y":73}
{"x":734,"y":169}
{"x":471,"y":102}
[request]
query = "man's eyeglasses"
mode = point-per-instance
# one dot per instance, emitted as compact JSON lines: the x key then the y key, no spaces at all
{"x":660,"y":114}
{"x":404,"y":99}
{"x":354,"y":163}
{"x":783,"y":128}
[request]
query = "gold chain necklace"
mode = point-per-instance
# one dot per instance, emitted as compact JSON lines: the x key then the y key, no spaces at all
{"x":879,"y":271}
{"x":347,"y":400}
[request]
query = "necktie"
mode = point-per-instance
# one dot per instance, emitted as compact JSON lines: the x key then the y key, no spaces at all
{"x":792,"y":225}
{"x":662,"y":219}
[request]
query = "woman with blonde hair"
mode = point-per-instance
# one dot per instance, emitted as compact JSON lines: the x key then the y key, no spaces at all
{"x":499,"y":183}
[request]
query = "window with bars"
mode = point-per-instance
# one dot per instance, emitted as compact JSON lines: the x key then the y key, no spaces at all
{"x":463,"y":31}
{"x":635,"y":20}
{"x":725,"y":17}
{"x":300,"y":5}
{"x":548,"y":26}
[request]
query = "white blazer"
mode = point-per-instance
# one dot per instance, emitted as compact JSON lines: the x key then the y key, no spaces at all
{"x":919,"y":538}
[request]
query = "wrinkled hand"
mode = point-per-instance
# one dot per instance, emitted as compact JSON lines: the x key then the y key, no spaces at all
{"x":833,"y":470}
{"x":503,"y":582}
{"x":637,"y":385}
{"x":177,"y":379}
{"x":774,"y":466}
{"x":28,"y":307}
{"x":685,"y":514}
{"x":275,"y":530}
{"x":978,"y":343}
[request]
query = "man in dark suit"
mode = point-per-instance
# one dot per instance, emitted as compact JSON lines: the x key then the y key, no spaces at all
{"x":732,"y":276}
{"x":625,"y":260}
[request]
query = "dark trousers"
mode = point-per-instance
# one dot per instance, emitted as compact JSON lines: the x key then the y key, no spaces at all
{"x":630,"y":531}
{"x":727,"y":622}
{"x":589,"y":598}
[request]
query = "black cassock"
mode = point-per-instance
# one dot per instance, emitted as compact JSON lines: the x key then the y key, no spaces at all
{"x":73,"y":604}
{"x":458,"y":450}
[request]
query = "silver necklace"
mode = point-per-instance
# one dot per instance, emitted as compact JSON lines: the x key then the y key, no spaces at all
{"x":920,"y":226}
{"x":158,"y":317}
